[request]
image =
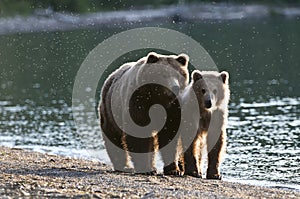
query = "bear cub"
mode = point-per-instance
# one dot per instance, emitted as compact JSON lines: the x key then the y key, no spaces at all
{"x":211,"y":126}
{"x":196,"y":95}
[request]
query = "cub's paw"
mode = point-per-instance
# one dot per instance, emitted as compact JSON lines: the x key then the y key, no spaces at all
{"x":214,"y":177}
{"x":194,"y":174}
{"x":181,"y":166}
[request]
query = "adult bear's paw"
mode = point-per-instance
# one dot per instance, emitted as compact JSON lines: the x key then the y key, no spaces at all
{"x":213,"y":177}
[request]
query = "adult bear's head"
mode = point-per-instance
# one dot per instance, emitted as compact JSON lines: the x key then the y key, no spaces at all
{"x":169,"y":71}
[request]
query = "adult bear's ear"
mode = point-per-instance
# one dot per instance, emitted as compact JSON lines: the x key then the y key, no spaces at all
{"x":152,"y":58}
{"x":183,"y":59}
{"x":196,"y":75}
{"x":224,"y":76}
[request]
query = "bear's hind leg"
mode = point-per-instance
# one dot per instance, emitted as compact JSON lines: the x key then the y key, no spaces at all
{"x":117,"y":152}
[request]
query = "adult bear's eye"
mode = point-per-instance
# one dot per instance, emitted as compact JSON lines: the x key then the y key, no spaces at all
{"x":215,"y":91}
{"x":203,"y":91}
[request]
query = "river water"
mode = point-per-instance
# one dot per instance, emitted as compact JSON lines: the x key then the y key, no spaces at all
{"x":261,"y":54}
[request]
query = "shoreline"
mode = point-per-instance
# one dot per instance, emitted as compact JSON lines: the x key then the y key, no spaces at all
{"x":48,"y":21}
{"x":26,"y":173}
{"x":102,"y":156}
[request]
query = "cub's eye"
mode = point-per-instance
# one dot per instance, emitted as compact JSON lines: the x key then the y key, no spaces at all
{"x":215,"y":91}
{"x":203,"y":91}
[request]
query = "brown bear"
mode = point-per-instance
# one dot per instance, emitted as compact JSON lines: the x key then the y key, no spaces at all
{"x":196,"y":123}
{"x":218,"y":85}
{"x":213,"y":124}
{"x":132,"y":125}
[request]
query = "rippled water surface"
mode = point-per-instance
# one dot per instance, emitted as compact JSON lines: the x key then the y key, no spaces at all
{"x":261,"y":55}
{"x":264,"y":141}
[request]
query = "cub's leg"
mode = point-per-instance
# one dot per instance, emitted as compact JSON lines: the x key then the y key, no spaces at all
{"x":215,"y":155}
{"x":192,"y":159}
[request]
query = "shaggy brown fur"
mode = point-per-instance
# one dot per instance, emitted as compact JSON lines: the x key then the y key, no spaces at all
{"x":121,"y":146}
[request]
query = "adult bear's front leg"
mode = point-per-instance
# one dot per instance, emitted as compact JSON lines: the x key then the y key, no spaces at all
{"x":169,"y":155}
{"x":142,"y":152}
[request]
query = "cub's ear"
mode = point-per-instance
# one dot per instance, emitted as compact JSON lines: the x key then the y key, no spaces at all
{"x":196,"y":75}
{"x":224,"y":76}
{"x":183,"y":59}
{"x":152,"y":58}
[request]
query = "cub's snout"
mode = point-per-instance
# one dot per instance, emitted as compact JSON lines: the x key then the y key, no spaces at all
{"x":207,"y":102}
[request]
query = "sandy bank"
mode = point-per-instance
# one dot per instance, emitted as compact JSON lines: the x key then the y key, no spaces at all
{"x":24,"y":173}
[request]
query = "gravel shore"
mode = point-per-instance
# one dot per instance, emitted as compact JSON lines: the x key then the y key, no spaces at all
{"x":35,"y":175}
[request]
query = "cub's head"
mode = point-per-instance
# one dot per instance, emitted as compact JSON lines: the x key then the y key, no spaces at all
{"x":201,"y":90}
{"x":168,"y":70}
{"x":217,"y":83}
